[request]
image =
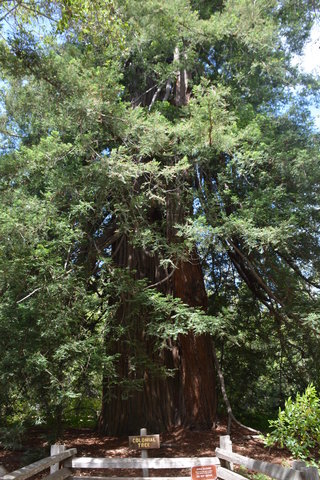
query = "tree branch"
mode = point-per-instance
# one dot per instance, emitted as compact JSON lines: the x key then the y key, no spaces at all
{"x":30,"y":294}
{"x":162,"y":281}
{"x":297,"y":270}
{"x":154,"y":98}
{"x":231,"y":417}
{"x":258,"y":278}
{"x":8,"y":12}
{"x":168,"y":91}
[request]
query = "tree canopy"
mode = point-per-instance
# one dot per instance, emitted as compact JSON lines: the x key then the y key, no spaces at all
{"x":159,"y":180}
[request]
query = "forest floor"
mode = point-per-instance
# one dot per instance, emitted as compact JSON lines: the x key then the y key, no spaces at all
{"x":177,"y":443}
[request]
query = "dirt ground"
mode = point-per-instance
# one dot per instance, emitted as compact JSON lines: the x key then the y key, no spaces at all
{"x":176,"y":443}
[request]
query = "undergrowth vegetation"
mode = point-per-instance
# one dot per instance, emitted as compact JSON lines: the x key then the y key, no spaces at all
{"x":298,"y":426}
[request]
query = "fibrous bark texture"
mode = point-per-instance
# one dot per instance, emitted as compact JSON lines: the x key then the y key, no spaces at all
{"x":186,"y":396}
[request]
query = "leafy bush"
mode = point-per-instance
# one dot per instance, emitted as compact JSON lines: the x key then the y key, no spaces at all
{"x":11,"y":437}
{"x":33,"y":455}
{"x":82,"y":413}
{"x":298,"y":425}
{"x":244,"y":472}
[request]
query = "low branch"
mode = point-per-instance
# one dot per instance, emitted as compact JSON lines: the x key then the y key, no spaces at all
{"x":231,"y":417}
{"x":162,"y":281}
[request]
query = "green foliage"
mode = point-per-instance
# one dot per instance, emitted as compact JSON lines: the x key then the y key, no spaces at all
{"x":11,"y":436}
{"x":82,"y":413}
{"x":100,"y":202}
{"x":297,"y":425}
{"x":251,"y":475}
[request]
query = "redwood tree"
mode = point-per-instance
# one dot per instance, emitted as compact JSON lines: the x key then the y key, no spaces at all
{"x":166,"y":143}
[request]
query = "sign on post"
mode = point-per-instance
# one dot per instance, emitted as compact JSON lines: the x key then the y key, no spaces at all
{"x":144,"y":442}
{"x":204,"y":473}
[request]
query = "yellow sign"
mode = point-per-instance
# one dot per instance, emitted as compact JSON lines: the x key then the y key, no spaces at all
{"x":144,"y":442}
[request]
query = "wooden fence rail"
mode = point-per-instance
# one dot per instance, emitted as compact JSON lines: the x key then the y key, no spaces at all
{"x":155,"y":463}
{"x":40,"y":465}
{"x":140,"y":464}
{"x":62,"y":461}
{"x":298,"y":471}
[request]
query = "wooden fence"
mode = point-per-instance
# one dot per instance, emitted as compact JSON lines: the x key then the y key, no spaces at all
{"x":54,"y":462}
{"x":298,"y":470}
{"x":62,"y":462}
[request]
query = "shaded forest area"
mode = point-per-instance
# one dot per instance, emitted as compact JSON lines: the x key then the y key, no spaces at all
{"x":159,"y":214}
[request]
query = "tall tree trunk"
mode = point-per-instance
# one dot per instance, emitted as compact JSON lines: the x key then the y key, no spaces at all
{"x":186,"y":398}
{"x":189,"y":396}
{"x":196,"y":359}
{"x":143,"y":396}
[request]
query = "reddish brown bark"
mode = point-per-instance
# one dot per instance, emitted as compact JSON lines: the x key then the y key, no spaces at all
{"x":154,"y":404}
{"x":186,"y":398}
{"x":196,"y":360}
{"x":189,"y":396}
{"x":151,"y":407}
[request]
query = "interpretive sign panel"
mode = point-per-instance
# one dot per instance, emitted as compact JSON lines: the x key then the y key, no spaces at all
{"x":204,"y":473}
{"x":144,"y":442}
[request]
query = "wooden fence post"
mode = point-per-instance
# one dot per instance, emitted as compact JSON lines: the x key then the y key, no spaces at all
{"x":54,"y":450}
{"x":3,"y":471}
{"x":144,"y":454}
{"x":226,"y":444}
{"x":298,"y":464}
{"x":308,"y":473}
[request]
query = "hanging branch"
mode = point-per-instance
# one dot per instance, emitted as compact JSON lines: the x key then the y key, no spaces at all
{"x":154,"y":98}
{"x":296,"y":269}
{"x":255,"y":274}
{"x":231,"y":417}
{"x":168,"y":91}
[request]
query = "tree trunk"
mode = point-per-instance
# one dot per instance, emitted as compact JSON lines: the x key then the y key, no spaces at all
{"x":140,"y":396}
{"x":188,"y":397}
{"x":196,"y":359}
{"x":154,"y":406}
{"x":144,"y":396}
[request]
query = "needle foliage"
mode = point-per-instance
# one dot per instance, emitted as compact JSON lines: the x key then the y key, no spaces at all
{"x":97,"y":152}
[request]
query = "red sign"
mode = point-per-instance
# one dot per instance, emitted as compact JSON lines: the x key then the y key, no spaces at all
{"x":204,"y":473}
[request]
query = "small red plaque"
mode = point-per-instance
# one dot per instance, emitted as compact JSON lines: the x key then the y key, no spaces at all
{"x":204,"y":473}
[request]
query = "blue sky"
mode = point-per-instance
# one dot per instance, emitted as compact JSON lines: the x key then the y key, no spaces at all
{"x":309,"y":62}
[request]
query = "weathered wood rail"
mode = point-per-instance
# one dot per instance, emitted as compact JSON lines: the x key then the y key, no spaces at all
{"x":41,"y":465}
{"x":298,"y":470}
{"x":141,"y":464}
{"x":62,"y":462}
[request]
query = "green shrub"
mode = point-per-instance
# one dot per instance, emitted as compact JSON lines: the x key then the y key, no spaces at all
{"x":244,"y":472}
{"x":11,"y":437}
{"x":82,"y":413}
{"x":298,"y":425}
